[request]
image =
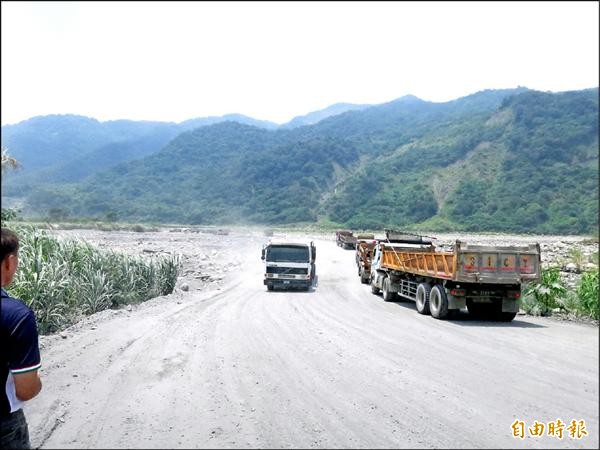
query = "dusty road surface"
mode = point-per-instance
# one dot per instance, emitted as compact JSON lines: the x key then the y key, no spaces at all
{"x":236,"y":366}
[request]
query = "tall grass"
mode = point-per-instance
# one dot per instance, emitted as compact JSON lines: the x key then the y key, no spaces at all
{"x":587,"y":292}
{"x":64,"y":280}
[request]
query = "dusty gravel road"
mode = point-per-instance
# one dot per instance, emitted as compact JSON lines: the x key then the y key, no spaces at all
{"x":235,"y":366}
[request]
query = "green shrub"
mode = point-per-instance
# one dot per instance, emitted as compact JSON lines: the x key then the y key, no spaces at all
{"x":8,"y":214}
{"x":541,"y":298}
{"x":577,"y":257}
{"x":587,"y":293}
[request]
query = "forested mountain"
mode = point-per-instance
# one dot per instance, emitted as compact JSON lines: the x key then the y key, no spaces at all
{"x":499,"y":160}
{"x":66,"y":147}
{"x":530,"y":166}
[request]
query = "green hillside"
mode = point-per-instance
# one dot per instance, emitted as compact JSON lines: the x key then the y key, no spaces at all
{"x":503,"y":160}
{"x":532,"y":166}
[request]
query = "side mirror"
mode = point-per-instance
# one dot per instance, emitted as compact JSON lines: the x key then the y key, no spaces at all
{"x":262,"y":256}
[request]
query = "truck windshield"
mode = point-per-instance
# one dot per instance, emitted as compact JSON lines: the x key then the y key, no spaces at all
{"x":287,"y":253}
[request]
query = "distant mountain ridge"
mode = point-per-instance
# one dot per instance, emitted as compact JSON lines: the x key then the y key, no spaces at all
{"x":316,"y":116}
{"x":500,"y":160}
{"x":69,"y":147}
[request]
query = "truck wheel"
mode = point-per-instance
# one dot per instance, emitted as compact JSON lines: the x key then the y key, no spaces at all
{"x":438,"y":302}
{"x":422,"y":301}
{"x":502,"y":316}
{"x":388,"y":295}
{"x":269,"y":287}
{"x":364,"y":277}
{"x":506,"y":316}
{"x":374,"y":289}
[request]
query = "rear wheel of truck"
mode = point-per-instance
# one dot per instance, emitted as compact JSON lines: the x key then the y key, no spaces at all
{"x":438,"y":302}
{"x":506,"y":316}
{"x":374,"y":289}
{"x":364,"y":277}
{"x":422,"y":300}
{"x":388,"y":295}
{"x":500,"y":316}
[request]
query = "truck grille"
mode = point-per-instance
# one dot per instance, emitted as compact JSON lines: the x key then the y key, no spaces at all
{"x":288,"y":270}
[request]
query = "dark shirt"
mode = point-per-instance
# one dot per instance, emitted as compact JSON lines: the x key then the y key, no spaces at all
{"x":19,"y":350}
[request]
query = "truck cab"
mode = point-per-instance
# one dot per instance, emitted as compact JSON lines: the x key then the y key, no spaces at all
{"x":289,"y":264}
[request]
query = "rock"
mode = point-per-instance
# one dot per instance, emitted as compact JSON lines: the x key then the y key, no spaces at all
{"x":185,"y":287}
{"x":571,"y":267}
{"x":129,"y":308}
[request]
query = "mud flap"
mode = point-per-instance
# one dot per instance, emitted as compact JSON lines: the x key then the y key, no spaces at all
{"x":456,"y":302}
{"x":510,"y":305}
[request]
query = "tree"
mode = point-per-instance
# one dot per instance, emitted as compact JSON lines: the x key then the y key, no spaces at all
{"x":8,"y":162}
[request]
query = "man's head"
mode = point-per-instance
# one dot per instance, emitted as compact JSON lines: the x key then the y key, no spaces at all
{"x":9,"y":252}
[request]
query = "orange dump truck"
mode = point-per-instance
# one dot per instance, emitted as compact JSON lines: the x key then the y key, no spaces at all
{"x":364,"y":254}
{"x":485,"y":279}
{"x":345,"y":239}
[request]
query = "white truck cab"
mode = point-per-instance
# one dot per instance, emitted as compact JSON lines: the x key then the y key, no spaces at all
{"x":289,"y":264}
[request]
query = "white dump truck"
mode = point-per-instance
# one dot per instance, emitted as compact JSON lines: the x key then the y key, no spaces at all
{"x":289,"y":264}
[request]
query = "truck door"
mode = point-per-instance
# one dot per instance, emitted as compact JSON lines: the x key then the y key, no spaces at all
{"x":376,"y":258}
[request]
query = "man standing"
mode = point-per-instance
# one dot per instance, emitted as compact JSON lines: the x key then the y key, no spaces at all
{"x":19,"y":353}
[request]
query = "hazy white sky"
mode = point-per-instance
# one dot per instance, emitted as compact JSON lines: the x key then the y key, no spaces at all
{"x":174,"y":61}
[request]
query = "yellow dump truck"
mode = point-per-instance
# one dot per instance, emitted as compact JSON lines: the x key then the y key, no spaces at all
{"x":485,"y":279}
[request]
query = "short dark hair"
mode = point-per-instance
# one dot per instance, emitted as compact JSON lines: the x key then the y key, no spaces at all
{"x":9,"y":243}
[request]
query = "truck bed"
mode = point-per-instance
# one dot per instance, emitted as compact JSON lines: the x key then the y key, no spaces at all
{"x":467,"y":263}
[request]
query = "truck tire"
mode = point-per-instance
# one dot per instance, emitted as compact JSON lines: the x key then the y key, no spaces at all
{"x":500,"y":316}
{"x":438,"y":302}
{"x":506,"y":316}
{"x":374,"y":289}
{"x":269,"y":287}
{"x":388,"y":295}
{"x":364,"y":277}
{"x":422,"y":300}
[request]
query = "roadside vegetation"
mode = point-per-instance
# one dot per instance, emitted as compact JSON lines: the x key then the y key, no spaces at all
{"x":551,"y":295}
{"x":65,"y":280}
